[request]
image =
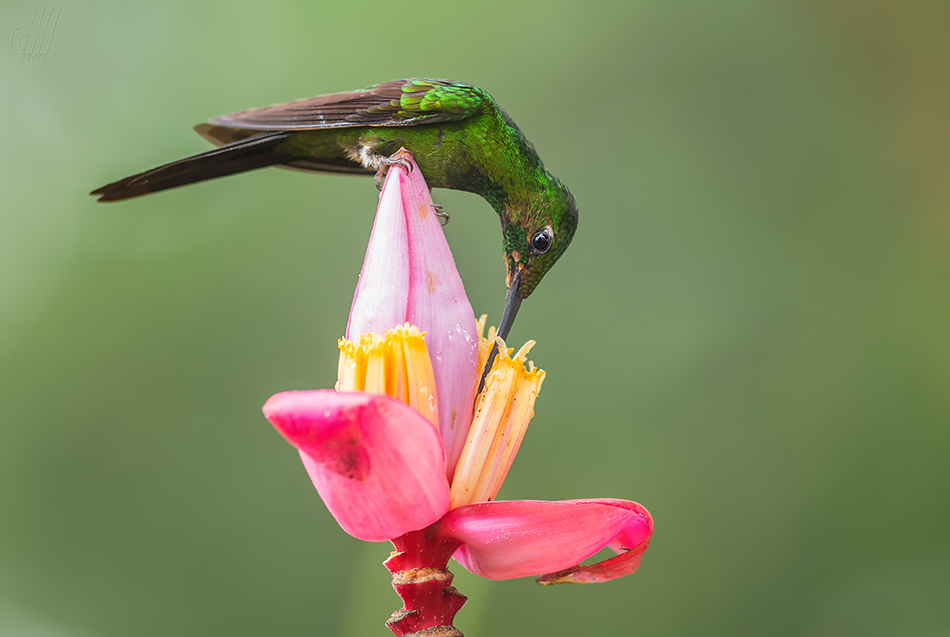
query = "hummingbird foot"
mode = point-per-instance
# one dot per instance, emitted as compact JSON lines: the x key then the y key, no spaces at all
{"x":399,"y":158}
{"x":443,"y":216}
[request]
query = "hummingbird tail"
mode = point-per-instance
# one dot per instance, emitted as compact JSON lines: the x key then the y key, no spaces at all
{"x":237,"y":157}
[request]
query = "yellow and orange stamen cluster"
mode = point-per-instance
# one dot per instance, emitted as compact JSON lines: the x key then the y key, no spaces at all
{"x":501,"y":416}
{"x":397,"y":364}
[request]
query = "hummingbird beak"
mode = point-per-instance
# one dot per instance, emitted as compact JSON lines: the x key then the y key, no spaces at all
{"x":512,"y":305}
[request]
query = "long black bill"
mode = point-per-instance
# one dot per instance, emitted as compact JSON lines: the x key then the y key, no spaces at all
{"x":512,"y":305}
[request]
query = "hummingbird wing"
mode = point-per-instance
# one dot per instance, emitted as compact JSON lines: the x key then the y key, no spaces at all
{"x":407,"y":102}
{"x":254,"y":138}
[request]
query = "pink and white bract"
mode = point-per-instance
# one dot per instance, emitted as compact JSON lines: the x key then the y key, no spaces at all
{"x":390,"y":471}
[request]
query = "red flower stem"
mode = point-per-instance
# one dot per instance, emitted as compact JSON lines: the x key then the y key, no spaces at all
{"x":421,"y":579}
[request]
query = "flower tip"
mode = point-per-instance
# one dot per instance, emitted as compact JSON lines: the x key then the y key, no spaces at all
{"x":299,"y":416}
{"x":630,"y":545}
{"x":278,"y":404}
{"x":619,"y":566}
{"x":287,"y":407}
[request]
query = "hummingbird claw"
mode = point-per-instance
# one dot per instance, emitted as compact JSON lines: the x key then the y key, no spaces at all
{"x":401,"y":158}
{"x":442,"y":215}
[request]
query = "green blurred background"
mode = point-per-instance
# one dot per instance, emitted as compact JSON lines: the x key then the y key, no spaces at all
{"x":750,"y":334}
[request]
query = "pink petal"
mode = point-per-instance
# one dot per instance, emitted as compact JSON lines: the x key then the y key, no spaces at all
{"x":376,"y":463}
{"x":409,"y":275}
{"x":630,"y":545}
{"x":503,"y":540}
{"x":438,"y":305}
{"x":381,"y":299}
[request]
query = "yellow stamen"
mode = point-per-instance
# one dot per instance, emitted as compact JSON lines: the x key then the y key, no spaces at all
{"x":484,"y":344}
{"x":502,"y":413}
{"x":396,"y":364}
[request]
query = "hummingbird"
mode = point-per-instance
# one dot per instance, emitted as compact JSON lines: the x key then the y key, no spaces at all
{"x":460,"y":137}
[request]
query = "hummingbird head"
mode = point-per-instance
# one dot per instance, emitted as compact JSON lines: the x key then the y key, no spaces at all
{"x":535,"y":237}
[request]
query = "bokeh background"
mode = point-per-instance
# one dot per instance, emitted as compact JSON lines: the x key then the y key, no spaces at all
{"x":750,"y":334}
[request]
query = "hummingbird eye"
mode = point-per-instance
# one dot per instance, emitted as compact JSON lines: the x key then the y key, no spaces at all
{"x":541,"y":240}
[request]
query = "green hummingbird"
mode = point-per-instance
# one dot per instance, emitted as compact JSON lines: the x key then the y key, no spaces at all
{"x":459,"y":136}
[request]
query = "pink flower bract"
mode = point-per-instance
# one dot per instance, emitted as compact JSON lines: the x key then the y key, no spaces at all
{"x":384,"y":470}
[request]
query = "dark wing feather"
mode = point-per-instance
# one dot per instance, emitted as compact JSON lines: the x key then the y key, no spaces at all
{"x":239,"y":156}
{"x":222,"y":136}
{"x":398,"y":103}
